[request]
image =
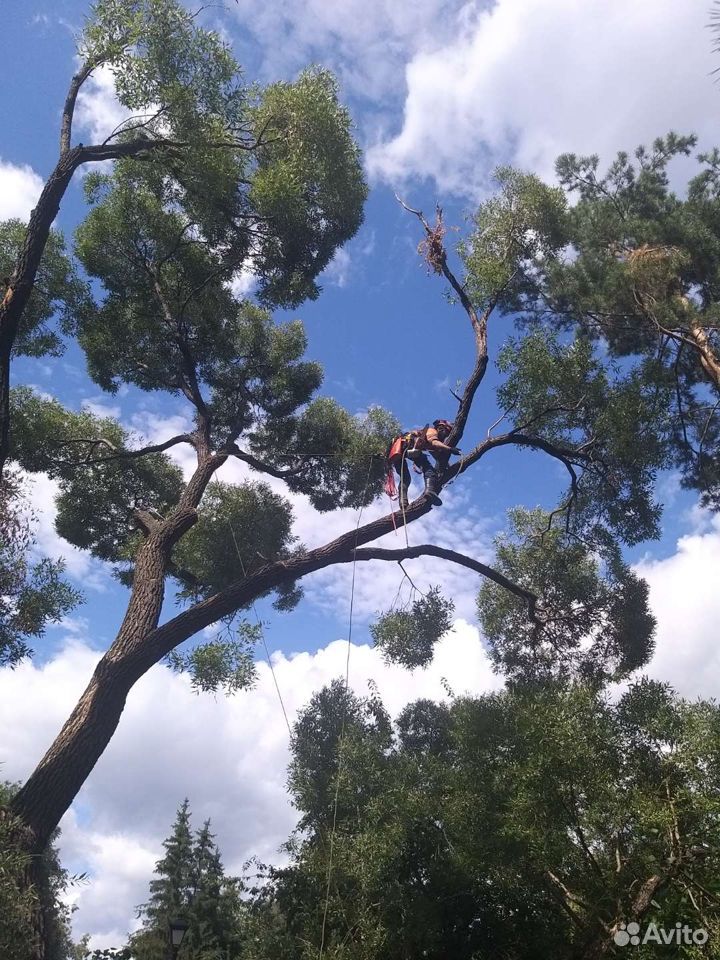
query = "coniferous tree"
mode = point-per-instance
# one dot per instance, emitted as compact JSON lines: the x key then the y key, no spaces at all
{"x":170,"y":889}
{"x":190,"y":883}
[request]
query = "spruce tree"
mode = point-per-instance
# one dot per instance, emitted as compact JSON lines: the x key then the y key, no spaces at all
{"x":215,"y":907}
{"x":170,"y":890}
{"x":190,"y":884}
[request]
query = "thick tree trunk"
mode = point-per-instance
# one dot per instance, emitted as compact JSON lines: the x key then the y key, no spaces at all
{"x":708,"y":357}
{"x":55,"y":783}
{"x":140,"y":644}
{"x":21,"y":282}
{"x":53,"y":786}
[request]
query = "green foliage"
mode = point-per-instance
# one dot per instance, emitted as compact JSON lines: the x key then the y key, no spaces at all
{"x":308,"y":183}
{"x":57,"y":292}
{"x":523,"y":223}
{"x":240,"y":527}
{"x":163,"y":63}
{"x":19,"y":898}
{"x":227,"y":663}
{"x":408,"y":636}
{"x":99,"y":490}
{"x":612,"y":426}
{"x":284,"y":199}
{"x":16,"y":904}
{"x":335,"y":720}
{"x":641,"y":275}
{"x":594,"y":619}
{"x":517,"y":821}
{"x":190,"y":883}
{"x":32,"y":593}
{"x":341,"y":457}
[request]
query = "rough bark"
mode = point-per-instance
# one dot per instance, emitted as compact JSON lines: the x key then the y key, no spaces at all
{"x":22,"y":280}
{"x":51,"y":789}
{"x":707,"y":355}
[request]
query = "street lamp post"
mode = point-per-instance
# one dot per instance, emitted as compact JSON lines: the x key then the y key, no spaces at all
{"x":177,"y":929}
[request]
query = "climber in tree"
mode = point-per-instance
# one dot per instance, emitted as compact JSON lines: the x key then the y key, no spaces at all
{"x":413,"y":446}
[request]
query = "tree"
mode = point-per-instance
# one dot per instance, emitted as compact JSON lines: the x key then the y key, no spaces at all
{"x":25,"y":882}
{"x":527,"y":823}
{"x":281,"y":165}
{"x":636,"y":266}
{"x":32,"y":594}
{"x":169,"y":322}
{"x":190,"y":883}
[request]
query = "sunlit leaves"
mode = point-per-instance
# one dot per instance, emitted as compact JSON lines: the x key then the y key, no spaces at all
{"x":408,"y":636}
{"x":524,"y":222}
{"x":224,"y":662}
{"x":593,"y":620}
{"x":308,"y":183}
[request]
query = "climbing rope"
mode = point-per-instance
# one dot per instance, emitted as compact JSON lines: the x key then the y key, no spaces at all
{"x":341,"y":739}
{"x":264,"y":641}
{"x":403,"y":499}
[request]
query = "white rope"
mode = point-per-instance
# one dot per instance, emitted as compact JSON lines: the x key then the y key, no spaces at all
{"x":341,"y":739}
{"x":264,"y":642}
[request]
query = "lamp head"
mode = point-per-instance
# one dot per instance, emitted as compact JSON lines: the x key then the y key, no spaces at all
{"x":178,"y":929}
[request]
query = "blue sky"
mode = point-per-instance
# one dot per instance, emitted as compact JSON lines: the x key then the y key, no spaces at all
{"x":439,"y":98}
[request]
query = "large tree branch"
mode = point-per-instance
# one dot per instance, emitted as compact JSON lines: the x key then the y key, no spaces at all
{"x":141,"y":643}
{"x":430,"y":550}
{"x":261,"y":466}
{"x":115,"y":453}
{"x":437,"y":259}
{"x":437,"y":256}
{"x":566,"y":455}
{"x":69,"y":109}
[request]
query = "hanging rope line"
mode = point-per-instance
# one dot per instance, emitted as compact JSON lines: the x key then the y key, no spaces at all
{"x":264,"y":642}
{"x":403,"y":488}
{"x":341,"y":739}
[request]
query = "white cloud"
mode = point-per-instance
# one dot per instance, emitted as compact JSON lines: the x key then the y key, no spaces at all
{"x":98,"y":110}
{"x":685,"y":599}
{"x":365,"y":41}
{"x":229,"y":756}
{"x":79,"y":564}
{"x":528,"y":79}
{"x":20,"y":188}
{"x":337,"y":271}
{"x":245,"y":282}
{"x":99,"y":408}
{"x":152,"y":428}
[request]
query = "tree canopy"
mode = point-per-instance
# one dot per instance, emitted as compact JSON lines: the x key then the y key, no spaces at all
{"x":526,"y":823}
{"x":548,"y":814}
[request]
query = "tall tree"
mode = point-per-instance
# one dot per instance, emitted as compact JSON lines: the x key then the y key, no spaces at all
{"x":170,"y":322}
{"x":528,"y":823}
{"x":281,"y":165}
{"x":190,"y":884}
{"x":635,"y":266}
